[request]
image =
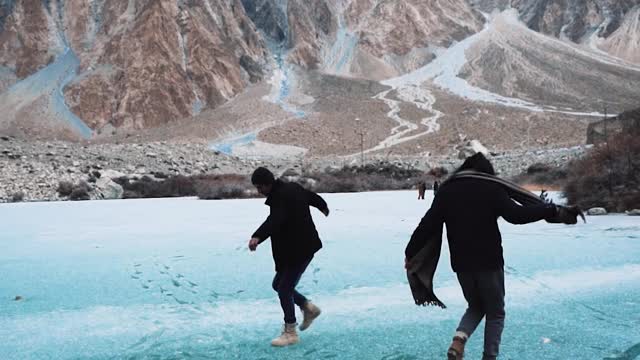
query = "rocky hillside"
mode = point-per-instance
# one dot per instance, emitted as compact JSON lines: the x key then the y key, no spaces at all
{"x":575,"y":20}
{"x":418,"y":75}
{"x":94,"y":66}
{"x":627,"y":122}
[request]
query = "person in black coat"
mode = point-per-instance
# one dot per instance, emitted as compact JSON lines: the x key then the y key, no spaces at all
{"x":470,"y":209}
{"x":294,"y":241}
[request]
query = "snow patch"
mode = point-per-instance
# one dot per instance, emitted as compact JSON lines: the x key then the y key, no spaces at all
{"x":282,"y":82}
{"x":337,"y":60}
{"x":50,"y":81}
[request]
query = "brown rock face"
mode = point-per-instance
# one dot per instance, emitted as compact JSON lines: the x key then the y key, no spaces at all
{"x":396,"y":37}
{"x":396,"y":27}
{"x":372,"y":39}
{"x":143,"y":63}
{"x":310,"y":24}
{"x":28,"y":40}
{"x":167,"y":61}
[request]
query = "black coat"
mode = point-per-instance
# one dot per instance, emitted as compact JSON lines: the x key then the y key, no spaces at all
{"x":470,"y":209}
{"x":294,"y":237}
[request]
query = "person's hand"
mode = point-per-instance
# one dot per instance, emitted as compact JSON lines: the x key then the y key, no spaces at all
{"x":325,"y":211}
{"x":566,"y":215}
{"x":253,"y":243}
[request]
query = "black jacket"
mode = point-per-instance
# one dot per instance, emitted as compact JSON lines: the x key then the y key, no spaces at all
{"x":293,"y":234}
{"x":470,"y":209}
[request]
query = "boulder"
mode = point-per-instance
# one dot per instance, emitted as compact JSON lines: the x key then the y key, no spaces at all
{"x":634,"y":212}
{"x":472,"y":147}
{"x":332,"y":169}
{"x":291,"y":172}
{"x":108,"y":189}
{"x":597,"y":211}
{"x":111,"y":174}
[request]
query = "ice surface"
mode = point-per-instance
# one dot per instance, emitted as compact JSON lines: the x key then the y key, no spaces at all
{"x":172,"y":279}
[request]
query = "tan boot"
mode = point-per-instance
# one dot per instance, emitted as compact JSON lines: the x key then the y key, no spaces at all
{"x":456,"y":350}
{"x":288,"y":337}
{"x":309,"y":312}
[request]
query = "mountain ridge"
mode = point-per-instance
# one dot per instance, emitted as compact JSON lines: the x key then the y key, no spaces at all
{"x":111,"y":68}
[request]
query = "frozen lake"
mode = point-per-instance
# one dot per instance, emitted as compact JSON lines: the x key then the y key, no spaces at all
{"x":172,"y":279}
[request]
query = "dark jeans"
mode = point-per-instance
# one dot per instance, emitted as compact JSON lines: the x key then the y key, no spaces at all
{"x":484,"y":292}
{"x":284,"y":283}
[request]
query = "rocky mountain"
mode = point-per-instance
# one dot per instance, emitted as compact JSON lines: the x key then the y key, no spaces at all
{"x":127,"y":64}
{"x":418,"y":76}
{"x":592,"y":22}
{"x":571,"y":19}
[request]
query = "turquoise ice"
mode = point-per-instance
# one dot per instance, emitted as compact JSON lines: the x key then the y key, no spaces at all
{"x":172,"y":279}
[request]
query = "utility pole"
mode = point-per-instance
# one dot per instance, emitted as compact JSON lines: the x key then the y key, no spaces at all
{"x":362,"y":147}
{"x":361,"y":133}
{"x":609,"y":156}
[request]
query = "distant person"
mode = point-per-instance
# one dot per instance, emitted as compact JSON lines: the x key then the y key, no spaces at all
{"x":294,"y":241}
{"x":436,"y":186}
{"x":470,"y":208}
{"x":422,"y":188}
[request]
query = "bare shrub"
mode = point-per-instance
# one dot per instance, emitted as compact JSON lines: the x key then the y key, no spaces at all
{"x":544,"y":175}
{"x":438,"y":172}
{"x":147,"y":187}
{"x":17,"y":196}
{"x":609,"y":175}
{"x":229,"y":191}
{"x":80,"y":191}
{"x":371,"y":177}
{"x":65,"y":188}
{"x":216,"y":187}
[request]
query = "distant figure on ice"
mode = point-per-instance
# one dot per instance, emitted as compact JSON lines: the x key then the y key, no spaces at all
{"x":436,"y":186}
{"x":470,"y":203}
{"x":294,"y":241}
{"x":422,"y":187}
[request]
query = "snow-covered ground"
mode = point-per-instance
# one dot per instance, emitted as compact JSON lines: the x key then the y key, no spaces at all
{"x":172,"y":279}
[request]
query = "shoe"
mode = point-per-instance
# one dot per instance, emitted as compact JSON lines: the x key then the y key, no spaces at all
{"x":309,"y":312}
{"x":288,"y":337}
{"x":456,"y":350}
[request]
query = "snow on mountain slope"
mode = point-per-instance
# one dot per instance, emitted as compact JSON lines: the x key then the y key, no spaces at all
{"x":625,"y":41}
{"x":511,"y":60}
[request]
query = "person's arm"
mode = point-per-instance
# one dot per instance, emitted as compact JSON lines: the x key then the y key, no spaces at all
{"x":517,"y":214}
{"x":430,"y":223}
{"x":273,"y":222}
{"x":317,"y":202}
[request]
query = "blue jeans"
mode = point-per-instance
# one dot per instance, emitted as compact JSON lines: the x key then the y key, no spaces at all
{"x":284,"y":283}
